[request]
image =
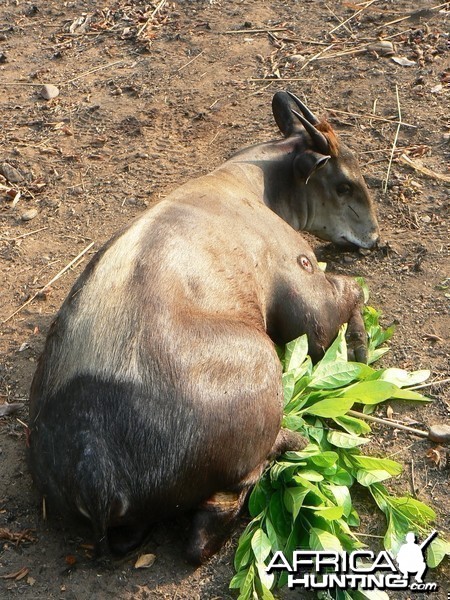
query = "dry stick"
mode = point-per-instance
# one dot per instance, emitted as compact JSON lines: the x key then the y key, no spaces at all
{"x":395,"y":142}
{"x":150,"y":19}
{"x":360,"y":50}
{"x":368,"y":116}
{"x":233,"y":31}
{"x":23,"y":235}
{"x":89,"y":72}
{"x":316,"y":56}
{"x":350,"y":18}
{"x":413,"y":479}
{"x":20,"y":83}
{"x":414,"y":165}
{"x":339,"y":20}
{"x":359,"y":415}
{"x":275,"y":79}
{"x":55,"y":278}
{"x":191,"y":61}
{"x":424,"y":385}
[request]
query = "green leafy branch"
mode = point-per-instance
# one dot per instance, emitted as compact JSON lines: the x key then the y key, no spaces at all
{"x":303,"y":499}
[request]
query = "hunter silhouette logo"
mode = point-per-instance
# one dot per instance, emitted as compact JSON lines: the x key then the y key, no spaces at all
{"x":411,"y":556}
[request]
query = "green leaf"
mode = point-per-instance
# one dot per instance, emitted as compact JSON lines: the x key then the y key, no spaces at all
{"x":288,"y":381}
{"x":337,"y":351}
{"x":293,"y":422}
{"x":295,"y":353}
{"x":370,"y":463}
{"x":243,"y":553}
{"x":330,"y":407}
{"x":247,"y":587}
{"x":437,"y":551}
{"x":334,"y":375}
{"x":341,"y":477}
{"x":330,"y":513}
{"x":345,"y":440}
{"x":342,"y":496}
{"x":374,"y":355}
{"x":238,"y":580}
{"x":265,"y":582}
{"x":323,"y":540}
{"x":259,"y":497}
{"x":326,"y":459}
{"x":371,"y":392}
{"x":365,"y":290}
{"x":293,"y":499}
{"x":413,"y":509}
{"x":368,"y":478}
{"x":402,"y":378}
{"x":261,"y":546}
{"x":353,"y":425}
{"x":410,"y":395}
{"x":310,"y":475}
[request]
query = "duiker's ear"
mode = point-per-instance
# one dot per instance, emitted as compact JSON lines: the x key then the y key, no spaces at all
{"x":284,"y":117}
{"x":307,"y":163}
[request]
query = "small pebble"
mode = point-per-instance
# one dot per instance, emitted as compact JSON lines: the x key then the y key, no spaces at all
{"x":49,"y":91}
{"x":295,"y":58}
{"x":28,"y":215}
{"x":10,"y":173}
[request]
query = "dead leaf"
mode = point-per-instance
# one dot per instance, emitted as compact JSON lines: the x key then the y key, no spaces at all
{"x":389,"y":412}
{"x":16,"y":536}
{"x":70,"y":559}
{"x":437,"y":456}
{"x":403,"y":61}
{"x":145,"y":561}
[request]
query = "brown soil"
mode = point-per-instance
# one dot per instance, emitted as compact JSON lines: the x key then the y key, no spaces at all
{"x":138,"y":115}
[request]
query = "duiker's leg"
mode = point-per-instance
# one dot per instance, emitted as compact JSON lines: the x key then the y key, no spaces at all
{"x":217,"y":517}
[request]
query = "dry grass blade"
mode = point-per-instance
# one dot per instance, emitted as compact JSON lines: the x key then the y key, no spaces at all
{"x":55,"y":278}
{"x":116,"y":62}
{"x":316,"y":56}
{"x":368,"y":116}
{"x":151,"y":17}
{"x":391,"y":158}
{"x":270,"y":30}
{"x":352,"y":16}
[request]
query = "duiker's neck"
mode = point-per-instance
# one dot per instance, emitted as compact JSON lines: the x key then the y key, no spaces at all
{"x":267,"y":171}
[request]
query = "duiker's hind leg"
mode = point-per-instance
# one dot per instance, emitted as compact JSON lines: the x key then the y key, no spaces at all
{"x":217,"y":517}
{"x":213,"y":523}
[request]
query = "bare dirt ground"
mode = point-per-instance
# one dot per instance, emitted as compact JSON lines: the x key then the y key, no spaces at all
{"x":149,"y":98}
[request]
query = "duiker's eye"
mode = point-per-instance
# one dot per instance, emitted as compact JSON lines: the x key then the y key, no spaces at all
{"x":344,"y":189}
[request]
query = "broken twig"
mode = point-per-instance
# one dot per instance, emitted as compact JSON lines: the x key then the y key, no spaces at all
{"x":55,"y":278}
{"x":395,"y":141}
{"x":343,"y":23}
{"x":89,"y":72}
{"x":417,"y":167}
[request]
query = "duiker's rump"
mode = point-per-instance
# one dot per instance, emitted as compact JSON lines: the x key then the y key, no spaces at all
{"x":159,"y":389}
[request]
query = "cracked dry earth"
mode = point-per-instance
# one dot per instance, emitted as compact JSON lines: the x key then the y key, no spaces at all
{"x":153,"y":94}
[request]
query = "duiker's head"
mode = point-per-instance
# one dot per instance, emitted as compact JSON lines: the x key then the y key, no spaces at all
{"x":330,"y":186}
